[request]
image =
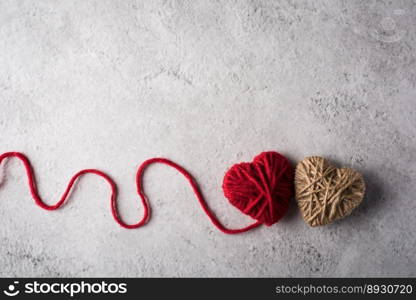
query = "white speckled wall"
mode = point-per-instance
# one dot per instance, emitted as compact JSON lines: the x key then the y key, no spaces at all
{"x":108,"y":84}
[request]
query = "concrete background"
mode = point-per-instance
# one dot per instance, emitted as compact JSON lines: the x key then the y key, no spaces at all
{"x":108,"y":84}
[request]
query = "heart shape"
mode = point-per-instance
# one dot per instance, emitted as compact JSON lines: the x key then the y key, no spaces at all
{"x":261,"y":189}
{"x":325,"y":193}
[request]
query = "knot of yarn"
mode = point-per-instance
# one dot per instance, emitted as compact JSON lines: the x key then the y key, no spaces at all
{"x":325,"y":193}
{"x":261,"y":189}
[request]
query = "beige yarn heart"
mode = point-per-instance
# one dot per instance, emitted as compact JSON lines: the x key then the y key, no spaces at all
{"x":325,"y":193}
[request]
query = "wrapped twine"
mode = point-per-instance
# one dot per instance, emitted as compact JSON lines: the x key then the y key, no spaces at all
{"x":325,"y":193}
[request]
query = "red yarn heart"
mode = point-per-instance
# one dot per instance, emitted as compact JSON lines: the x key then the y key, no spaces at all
{"x":261,"y":189}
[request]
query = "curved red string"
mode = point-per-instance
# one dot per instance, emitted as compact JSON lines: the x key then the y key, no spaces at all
{"x":139,"y":182}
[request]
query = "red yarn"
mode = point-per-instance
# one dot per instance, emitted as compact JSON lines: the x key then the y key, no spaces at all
{"x":113,"y":198}
{"x":261,"y":189}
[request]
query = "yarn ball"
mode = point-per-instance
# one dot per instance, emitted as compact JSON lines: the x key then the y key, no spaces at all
{"x":261,"y":189}
{"x":325,"y":193}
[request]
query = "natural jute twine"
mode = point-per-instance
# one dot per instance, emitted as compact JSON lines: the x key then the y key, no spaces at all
{"x":325,"y":193}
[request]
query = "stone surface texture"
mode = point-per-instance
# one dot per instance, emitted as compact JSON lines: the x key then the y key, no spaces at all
{"x":108,"y":84}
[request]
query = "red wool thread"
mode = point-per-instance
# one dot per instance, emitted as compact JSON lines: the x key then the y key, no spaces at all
{"x":261,"y":189}
{"x":264,"y":191}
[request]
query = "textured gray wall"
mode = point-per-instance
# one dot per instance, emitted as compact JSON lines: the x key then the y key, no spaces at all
{"x":108,"y":84}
